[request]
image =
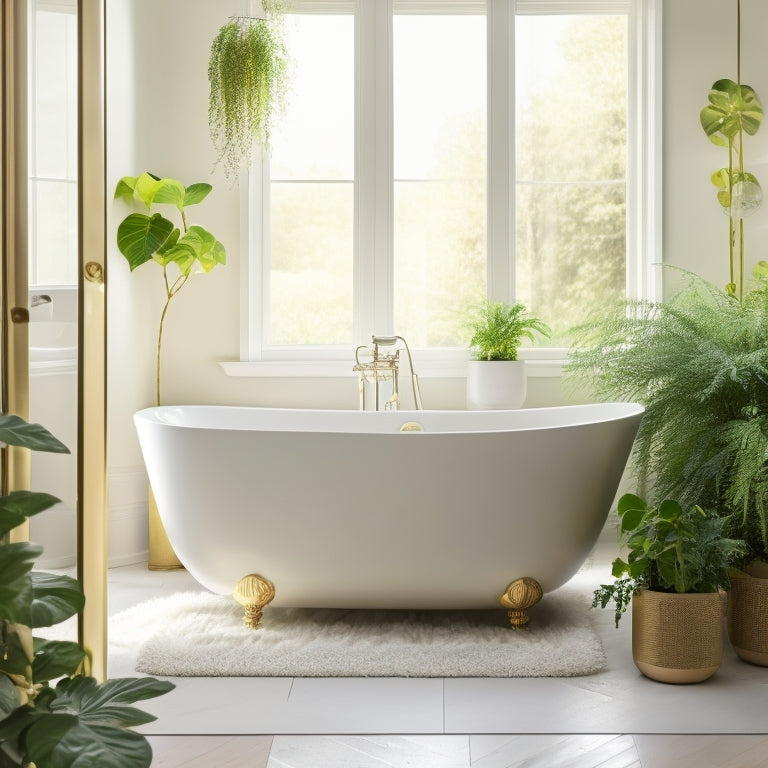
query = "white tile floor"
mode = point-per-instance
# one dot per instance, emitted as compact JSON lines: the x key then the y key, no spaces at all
{"x":615,"y":718}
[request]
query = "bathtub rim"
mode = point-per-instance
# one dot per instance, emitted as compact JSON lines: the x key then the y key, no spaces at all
{"x":169,"y":416}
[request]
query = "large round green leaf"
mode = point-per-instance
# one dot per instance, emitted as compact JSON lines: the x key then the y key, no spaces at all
{"x":55,"y":658}
{"x":54,"y":598}
{"x":88,"y":724}
{"x":731,"y":108}
{"x":140,"y":236}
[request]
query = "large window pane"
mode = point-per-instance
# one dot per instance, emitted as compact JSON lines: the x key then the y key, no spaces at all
{"x":311,"y":266}
{"x":439,"y":157}
{"x":312,"y":168}
{"x":571,"y":96}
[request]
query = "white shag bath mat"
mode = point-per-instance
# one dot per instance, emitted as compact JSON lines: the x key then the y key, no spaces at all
{"x":198,"y":634}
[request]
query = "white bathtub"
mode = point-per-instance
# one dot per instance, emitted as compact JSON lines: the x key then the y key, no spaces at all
{"x":341,"y":509}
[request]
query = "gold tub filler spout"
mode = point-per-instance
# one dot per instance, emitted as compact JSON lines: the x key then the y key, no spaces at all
{"x":380,"y":371}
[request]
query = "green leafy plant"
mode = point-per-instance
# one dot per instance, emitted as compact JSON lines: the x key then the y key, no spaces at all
{"x":669,"y":550}
{"x":733,"y":110}
{"x":498,"y":330}
{"x":152,"y":237}
{"x":698,"y":363}
{"x":248,"y":73}
{"x":79,"y":721}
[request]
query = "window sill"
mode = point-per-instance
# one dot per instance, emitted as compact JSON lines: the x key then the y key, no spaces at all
{"x":541,"y":363}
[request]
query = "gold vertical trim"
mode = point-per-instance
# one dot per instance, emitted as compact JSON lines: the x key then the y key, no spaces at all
{"x":14,"y":289}
{"x":92,"y":330}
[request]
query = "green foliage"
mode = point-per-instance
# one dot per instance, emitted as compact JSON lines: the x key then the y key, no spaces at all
{"x":733,"y":110}
{"x":143,"y":237}
{"x":498,"y":330}
{"x":670,"y":550}
{"x":698,"y":363}
{"x":248,"y":72}
{"x":79,"y":722}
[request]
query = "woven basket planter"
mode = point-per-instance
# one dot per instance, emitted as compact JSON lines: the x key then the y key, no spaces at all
{"x":677,"y":638}
{"x":748,"y":614}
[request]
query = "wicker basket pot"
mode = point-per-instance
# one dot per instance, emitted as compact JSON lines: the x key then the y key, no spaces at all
{"x":677,"y":638}
{"x":748,"y":614}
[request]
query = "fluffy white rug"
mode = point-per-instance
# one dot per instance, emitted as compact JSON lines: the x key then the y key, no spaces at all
{"x":194,"y":634}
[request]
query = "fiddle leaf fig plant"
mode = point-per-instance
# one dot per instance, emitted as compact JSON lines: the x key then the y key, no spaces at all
{"x":670,"y":549}
{"x":150,"y":236}
{"x":78,"y":721}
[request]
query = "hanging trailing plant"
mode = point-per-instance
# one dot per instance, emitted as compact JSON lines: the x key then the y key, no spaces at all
{"x":248,"y":74}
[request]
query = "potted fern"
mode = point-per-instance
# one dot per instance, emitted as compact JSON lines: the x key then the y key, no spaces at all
{"x":677,"y":564}
{"x":248,"y":74}
{"x":698,"y":363}
{"x":78,"y":721}
{"x":495,"y":377}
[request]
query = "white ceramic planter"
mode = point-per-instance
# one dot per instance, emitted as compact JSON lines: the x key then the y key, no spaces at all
{"x":495,"y":384}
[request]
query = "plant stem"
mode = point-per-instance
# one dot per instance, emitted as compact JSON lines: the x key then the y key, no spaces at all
{"x":170,"y":292}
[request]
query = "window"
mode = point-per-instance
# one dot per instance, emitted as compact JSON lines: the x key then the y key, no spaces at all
{"x":53,"y":143}
{"x":438,"y":151}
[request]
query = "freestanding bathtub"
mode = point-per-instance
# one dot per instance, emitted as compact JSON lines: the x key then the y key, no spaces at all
{"x":342,"y":509}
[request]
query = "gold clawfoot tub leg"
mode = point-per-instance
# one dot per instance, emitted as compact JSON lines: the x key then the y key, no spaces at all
{"x":520,"y":595}
{"x":253,"y":592}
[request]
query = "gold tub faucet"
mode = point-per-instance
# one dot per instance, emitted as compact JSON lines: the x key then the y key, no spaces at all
{"x":380,"y":373}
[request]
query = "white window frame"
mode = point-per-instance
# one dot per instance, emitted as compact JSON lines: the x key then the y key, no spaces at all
{"x":373,"y":275}
{"x":52,"y":6}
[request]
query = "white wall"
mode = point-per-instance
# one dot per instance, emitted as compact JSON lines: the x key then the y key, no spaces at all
{"x":158,"y":90}
{"x":700,"y":48}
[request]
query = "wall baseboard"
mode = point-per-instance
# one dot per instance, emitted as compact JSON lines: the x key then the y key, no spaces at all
{"x":127,"y":510}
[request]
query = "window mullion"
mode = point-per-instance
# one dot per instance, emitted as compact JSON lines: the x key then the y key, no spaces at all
{"x":501,"y":150}
{"x":373,"y":168}
{"x":644,"y":150}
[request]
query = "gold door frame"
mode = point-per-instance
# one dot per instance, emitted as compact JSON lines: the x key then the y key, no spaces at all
{"x":14,"y":290}
{"x":92,"y":334}
{"x":14,"y":296}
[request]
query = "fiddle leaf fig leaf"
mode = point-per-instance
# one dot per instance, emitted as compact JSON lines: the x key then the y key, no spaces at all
{"x":15,"y":431}
{"x":139,"y":237}
{"x":145,"y":188}
{"x":196,"y":193}
{"x":55,"y":598}
{"x":170,"y":192}
{"x":172,"y":239}
{"x":125,"y":189}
